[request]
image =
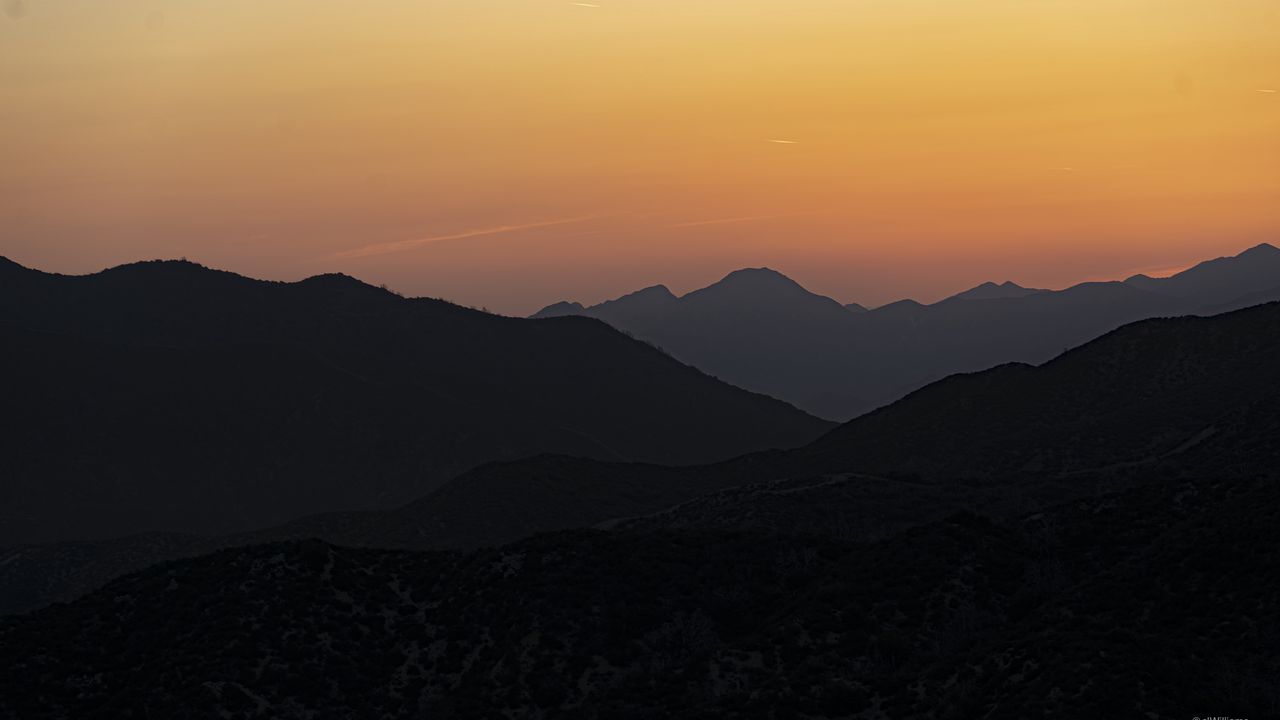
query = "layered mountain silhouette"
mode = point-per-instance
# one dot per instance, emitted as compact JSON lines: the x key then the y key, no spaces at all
{"x":1091,"y":536}
{"x":167,"y":396}
{"x":759,"y":330}
{"x":1156,"y":401}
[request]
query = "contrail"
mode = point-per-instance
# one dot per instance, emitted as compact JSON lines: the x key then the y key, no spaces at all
{"x":724,"y":221}
{"x":402,"y":245}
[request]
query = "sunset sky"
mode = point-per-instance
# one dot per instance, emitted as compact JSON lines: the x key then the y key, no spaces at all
{"x":510,"y":153}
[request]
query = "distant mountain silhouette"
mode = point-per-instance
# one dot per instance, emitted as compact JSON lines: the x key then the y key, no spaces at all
{"x":1225,"y":278}
{"x":641,"y":302}
{"x":760,"y":330}
{"x":1153,"y":402}
{"x":165,"y":395}
{"x":992,"y":291}
{"x":756,"y":326}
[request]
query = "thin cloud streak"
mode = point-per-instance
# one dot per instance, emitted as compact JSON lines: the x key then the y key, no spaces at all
{"x":402,"y":245}
{"x":724,"y":221}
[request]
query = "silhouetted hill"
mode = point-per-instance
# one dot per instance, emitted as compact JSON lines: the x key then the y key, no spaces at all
{"x":766,"y":333}
{"x":168,"y":396}
{"x":493,"y":504}
{"x":1143,"y":394}
{"x":1139,"y":604}
{"x":1168,"y":398}
{"x":1151,"y":402}
{"x":103,"y":439}
{"x":1155,"y":401}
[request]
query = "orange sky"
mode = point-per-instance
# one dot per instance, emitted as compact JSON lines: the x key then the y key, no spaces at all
{"x":509,"y":153}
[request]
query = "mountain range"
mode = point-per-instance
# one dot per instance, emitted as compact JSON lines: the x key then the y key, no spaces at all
{"x":1178,"y":398}
{"x":759,"y":330}
{"x":354,"y":507}
{"x":167,"y":396}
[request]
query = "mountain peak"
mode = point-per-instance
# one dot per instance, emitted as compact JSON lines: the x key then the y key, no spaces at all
{"x":759,"y":276}
{"x":651,"y":293}
{"x":993,"y":291}
{"x":758,"y":282}
{"x":334,"y":279}
{"x":560,"y":309}
{"x":1225,"y":278}
{"x":907,"y":305}
{"x":654,"y":298}
{"x":752,"y":283}
{"x":1260,"y":250}
{"x":764,"y":292}
{"x":1142,"y":281}
{"x":177,"y":272}
{"x":156,"y":265}
{"x":341,"y":284}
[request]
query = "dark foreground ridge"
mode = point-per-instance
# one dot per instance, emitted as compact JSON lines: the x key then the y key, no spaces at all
{"x":1154,"y":602}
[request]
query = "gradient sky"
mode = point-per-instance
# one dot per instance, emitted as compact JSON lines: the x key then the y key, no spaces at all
{"x":509,"y":153}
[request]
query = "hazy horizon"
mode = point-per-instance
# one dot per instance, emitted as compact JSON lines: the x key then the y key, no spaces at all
{"x":1152,"y":270}
{"x":518,"y":152}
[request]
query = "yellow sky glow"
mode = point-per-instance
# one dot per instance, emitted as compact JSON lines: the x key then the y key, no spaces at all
{"x":510,"y":153}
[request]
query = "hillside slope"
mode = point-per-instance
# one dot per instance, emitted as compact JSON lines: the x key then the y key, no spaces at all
{"x":169,"y":396}
{"x":1175,"y":582}
{"x":1154,"y":402}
